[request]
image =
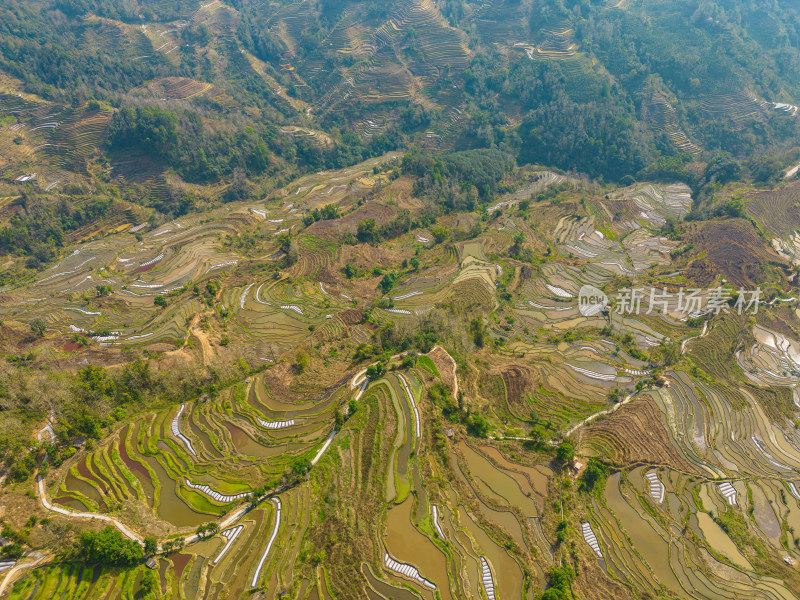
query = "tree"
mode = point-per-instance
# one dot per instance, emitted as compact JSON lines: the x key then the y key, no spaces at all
{"x":206,"y":530}
{"x":565,"y":453}
{"x":366,"y":232}
{"x":595,"y":473}
{"x":150,"y":545}
{"x":104,"y":290}
{"x":160,"y":301}
{"x":303,"y":360}
{"x":38,"y":327}
{"x":670,"y":352}
{"x":108,"y":547}
{"x":301,"y":465}
{"x":150,"y":585}
{"x":387,"y":283}
{"x":240,"y":188}
{"x":478,"y":331}
{"x":440,"y":233}
{"x":560,"y":583}
{"x":172,"y":546}
{"x":376,"y":370}
{"x":478,"y":426}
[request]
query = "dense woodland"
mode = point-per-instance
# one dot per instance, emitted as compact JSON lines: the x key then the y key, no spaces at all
{"x":593,"y":121}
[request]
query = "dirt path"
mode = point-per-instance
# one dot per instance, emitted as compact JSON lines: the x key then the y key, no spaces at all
{"x":687,"y":340}
{"x":80,"y":515}
{"x":455,"y":368}
{"x":205,"y":345}
{"x":37,"y":556}
{"x":590,"y":418}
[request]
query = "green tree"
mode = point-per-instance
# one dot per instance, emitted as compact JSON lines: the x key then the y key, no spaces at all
{"x":150,"y":585}
{"x":478,"y":426}
{"x":38,"y":327}
{"x":303,"y":360}
{"x":478,"y":331}
{"x":301,"y":465}
{"x":594,"y":474}
{"x":160,"y":301}
{"x":108,"y":547}
{"x":565,"y":453}
{"x":207,"y":530}
{"x":366,"y":232}
{"x":387,"y":283}
{"x":440,"y":233}
{"x":150,"y":545}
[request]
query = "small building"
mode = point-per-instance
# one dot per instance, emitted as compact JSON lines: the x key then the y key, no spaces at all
{"x":79,"y":441}
{"x":789,"y":560}
{"x":151,"y":563}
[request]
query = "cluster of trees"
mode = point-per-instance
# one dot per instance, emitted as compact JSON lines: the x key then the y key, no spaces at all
{"x":368,"y":232}
{"x":39,"y":228}
{"x":459,"y":181}
{"x":328,"y":213}
{"x":99,"y":395}
{"x":108,"y":547}
{"x":180,"y":140}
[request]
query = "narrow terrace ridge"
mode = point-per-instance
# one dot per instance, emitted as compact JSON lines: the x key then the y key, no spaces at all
{"x":727,"y":490}
{"x":257,"y":574}
{"x":413,"y":405}
{"x":435,"y":511}
{"x":275,"y":424}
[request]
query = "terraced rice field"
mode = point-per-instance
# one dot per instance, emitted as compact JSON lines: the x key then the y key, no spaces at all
{"x":701,"y":494}
{"x":664,"y":118}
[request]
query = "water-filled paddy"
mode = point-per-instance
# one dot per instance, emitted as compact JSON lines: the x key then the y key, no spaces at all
{"x":170,"y":506}
{"x":654,"y":548}
{"x":509,"y":576}
{"x":497,"y":483}
{"x":387,"y":591}
{"x":720,"y":542}
{"x":406,"y":544}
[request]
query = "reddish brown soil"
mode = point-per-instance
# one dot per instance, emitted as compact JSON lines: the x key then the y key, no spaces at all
{"x":71,"y":346}
{"x":731,"y":248}
{"x":637,"y":435}
{"x":519,"y":381}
